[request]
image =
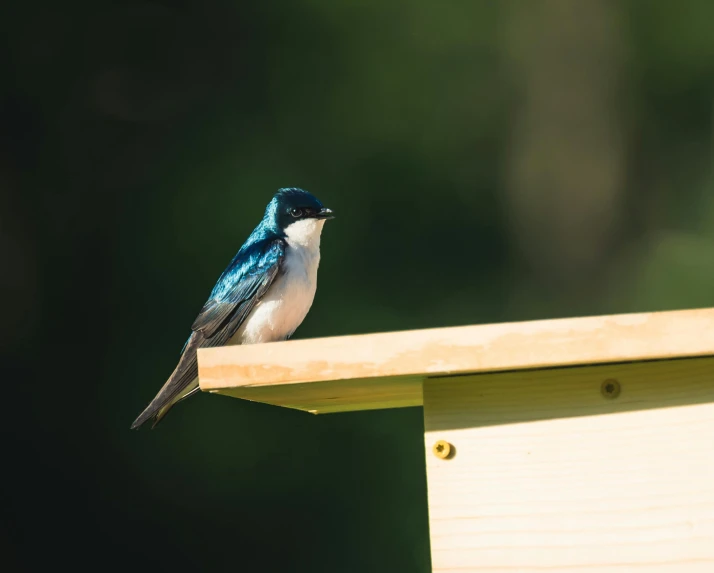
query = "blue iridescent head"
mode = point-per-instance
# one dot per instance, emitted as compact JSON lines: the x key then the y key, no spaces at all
{"x":291,"y":205}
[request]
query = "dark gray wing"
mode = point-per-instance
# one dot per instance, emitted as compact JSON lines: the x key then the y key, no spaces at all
{"x":238,"y":290}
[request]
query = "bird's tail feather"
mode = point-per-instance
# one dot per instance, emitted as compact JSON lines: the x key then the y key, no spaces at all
{"x":165,"y":409}
{"x":177,"y":387}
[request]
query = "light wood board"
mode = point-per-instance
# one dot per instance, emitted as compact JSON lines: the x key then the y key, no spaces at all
{"x":386,"y":370}
{"x":550,"y":476}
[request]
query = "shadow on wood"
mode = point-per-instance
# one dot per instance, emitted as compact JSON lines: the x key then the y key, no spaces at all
{"x":530,"y":395}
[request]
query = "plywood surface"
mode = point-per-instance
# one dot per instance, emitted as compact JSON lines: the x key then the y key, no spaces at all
{"x":548,"y":475}
{"x":386,"y":370}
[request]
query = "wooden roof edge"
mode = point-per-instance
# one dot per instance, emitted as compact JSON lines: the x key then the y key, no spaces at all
{"x":414,"y":354}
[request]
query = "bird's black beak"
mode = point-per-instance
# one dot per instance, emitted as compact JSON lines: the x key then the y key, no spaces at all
{"x":325,"y":213}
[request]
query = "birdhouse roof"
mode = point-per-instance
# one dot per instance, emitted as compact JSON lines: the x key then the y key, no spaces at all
{"x":386,"y":370}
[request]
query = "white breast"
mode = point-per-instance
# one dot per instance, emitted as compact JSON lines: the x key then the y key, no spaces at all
{"x":289,"y":298}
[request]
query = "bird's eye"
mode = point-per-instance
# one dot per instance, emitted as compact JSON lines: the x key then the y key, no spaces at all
{"x":296,"y":212}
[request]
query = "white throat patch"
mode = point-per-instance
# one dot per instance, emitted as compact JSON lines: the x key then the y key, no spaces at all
{"x":305,"y":233}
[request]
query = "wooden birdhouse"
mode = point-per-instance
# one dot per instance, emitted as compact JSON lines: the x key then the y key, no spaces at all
{"x":576,"y":445}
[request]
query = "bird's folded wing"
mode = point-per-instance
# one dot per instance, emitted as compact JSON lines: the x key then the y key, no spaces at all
{"x":240,"y":287}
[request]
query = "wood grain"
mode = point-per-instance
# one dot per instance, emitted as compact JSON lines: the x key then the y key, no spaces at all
{"x":548,"y":475}
{"x":387,"y":370}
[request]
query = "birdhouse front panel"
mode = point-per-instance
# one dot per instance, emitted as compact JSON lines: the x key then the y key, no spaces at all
{"x":586,"y":469}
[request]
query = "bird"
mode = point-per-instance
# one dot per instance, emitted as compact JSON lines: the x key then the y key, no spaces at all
{"x":263,"y":295}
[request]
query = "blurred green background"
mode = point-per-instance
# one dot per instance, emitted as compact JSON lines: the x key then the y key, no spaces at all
{"x":488,"y":161}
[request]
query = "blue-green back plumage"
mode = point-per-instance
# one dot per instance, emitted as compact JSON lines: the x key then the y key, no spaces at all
{"x":251,"y":271}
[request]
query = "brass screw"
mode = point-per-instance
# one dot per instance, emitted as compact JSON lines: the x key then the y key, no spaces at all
{"x":442,"y":449}
{"x":610,"y":389}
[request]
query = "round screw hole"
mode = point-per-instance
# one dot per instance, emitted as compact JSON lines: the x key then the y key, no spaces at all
{"x":610,"y":388}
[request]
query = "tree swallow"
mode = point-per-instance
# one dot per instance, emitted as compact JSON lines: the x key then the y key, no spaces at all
{"x":262,"y":296}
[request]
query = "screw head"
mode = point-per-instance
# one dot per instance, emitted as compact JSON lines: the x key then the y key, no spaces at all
{"x":442,"y":449}
{"x":610,"y":389}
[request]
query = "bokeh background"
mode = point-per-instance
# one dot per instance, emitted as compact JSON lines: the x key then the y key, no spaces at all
{"x":489,"y":161}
